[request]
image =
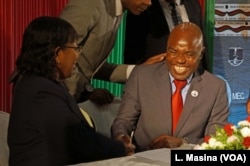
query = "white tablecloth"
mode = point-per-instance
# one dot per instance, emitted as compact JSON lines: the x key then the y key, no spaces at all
{"x":125,"y":161}
{"x":158,"y":157}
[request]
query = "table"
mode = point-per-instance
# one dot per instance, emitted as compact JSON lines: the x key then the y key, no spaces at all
{"x":157,"y":157}
{"x":137,"y":159}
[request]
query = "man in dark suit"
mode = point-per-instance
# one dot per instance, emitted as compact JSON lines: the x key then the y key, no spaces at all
{"x":152,"y":29}
{"x":146,"y":105}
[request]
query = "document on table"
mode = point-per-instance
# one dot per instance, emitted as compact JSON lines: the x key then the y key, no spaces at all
{"x":162,"y":155}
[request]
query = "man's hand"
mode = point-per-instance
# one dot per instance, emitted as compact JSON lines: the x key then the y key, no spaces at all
{"x":165,"y":141}
{"x":155,"y":59}
{"x":130,"y":148}
{"x":101,"y":96}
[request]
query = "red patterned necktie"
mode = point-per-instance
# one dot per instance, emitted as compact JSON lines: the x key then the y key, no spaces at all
{"x":177,"y":103}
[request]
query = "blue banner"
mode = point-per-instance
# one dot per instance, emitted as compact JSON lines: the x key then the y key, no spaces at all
{"x":231,"y":52}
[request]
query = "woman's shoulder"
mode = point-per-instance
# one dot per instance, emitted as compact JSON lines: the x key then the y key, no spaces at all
{"x":37,"y":84}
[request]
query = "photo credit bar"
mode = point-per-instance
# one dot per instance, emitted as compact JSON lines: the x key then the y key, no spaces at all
{"x":208,"y":157}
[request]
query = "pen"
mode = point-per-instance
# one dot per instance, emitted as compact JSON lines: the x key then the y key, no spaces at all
{"x":131,"y":136}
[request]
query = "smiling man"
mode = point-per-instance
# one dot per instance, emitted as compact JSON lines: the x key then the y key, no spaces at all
{"x":149,"y":105}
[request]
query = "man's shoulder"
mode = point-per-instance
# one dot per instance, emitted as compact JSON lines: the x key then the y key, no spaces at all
{"x":210,"y":77}
{"x":151,"y":70}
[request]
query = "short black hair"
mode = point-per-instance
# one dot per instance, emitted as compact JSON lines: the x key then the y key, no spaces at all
{"x":40,"y":39}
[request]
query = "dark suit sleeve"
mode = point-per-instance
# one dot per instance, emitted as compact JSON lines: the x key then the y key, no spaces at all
{"x":88,"y":145}
{"x":64,"y":121}
{"x":129,"y":111}
{"x":112,"y":72}
{"x":83,"y":143}
{"x":105,"y":71}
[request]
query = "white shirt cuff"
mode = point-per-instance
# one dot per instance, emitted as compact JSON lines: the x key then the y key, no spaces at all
{"x":129,"y":70}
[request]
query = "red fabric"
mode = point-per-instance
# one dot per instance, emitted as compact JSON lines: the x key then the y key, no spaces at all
{"x":177,"y":103}
{"x":202,"y":3}
{"x":14,"y":17}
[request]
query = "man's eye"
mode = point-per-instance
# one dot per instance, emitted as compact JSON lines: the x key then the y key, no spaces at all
{"x":189,"y":54}
{"x":171,"y":51}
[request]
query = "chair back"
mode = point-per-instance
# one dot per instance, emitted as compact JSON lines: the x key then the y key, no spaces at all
{"x":102,"y":116}
{"x":4,"y":149}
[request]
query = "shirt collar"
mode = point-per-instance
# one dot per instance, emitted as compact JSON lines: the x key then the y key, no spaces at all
{"x":188,"y":80}
{"x":119,"y":8}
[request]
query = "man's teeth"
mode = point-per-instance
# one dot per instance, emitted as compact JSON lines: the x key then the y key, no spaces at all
{"x":180,"y":69}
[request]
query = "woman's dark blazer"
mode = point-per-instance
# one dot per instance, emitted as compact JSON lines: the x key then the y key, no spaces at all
{"x":47,"y":128}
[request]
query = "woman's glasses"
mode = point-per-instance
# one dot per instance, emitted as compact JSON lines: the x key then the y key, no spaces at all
{"x":77,"y":48}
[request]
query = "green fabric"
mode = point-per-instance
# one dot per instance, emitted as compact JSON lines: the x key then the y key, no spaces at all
{"x":117,"y":58}
{"x":209,"y":29}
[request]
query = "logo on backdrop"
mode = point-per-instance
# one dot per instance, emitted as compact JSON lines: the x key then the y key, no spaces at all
{"x":235,"y":57}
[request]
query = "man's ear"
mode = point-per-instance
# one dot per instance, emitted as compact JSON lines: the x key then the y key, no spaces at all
{"x":203,"y":49}
{"x":202,"y":52}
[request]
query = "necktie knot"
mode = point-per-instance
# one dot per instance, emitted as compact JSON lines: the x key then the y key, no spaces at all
{"x":180,"y":84}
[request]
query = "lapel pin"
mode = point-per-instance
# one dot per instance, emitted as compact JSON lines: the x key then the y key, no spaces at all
{"x":194,"y":93}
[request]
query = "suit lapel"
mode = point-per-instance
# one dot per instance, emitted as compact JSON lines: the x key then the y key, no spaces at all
{"x":163,"y":82}
{"x":75,"y":109}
